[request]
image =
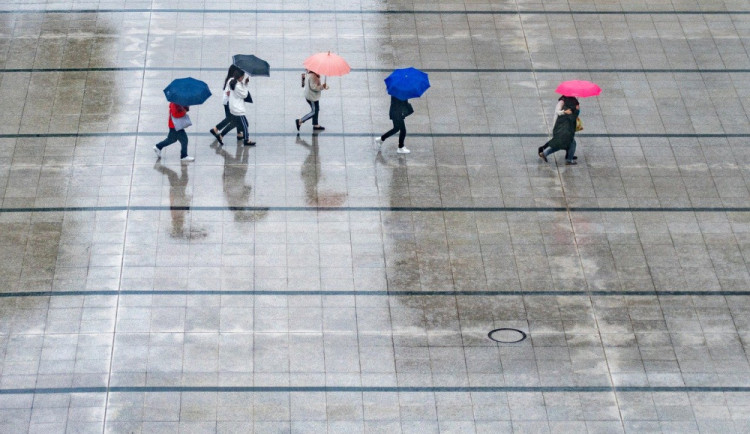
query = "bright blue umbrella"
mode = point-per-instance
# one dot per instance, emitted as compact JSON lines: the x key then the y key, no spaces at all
{"x":187,"y":91}
{"x":407,"y":83}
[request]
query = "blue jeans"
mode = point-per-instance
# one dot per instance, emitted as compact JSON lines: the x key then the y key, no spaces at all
{"x":175,"y":136}
{"x":568,"y":155}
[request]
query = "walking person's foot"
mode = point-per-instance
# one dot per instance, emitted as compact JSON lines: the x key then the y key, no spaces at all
{"x":249,"y":143}
{"x":543,"y":157}
{"x":570,"y":163}
{"x":297,"y":124}
{"x":378,"y":143}
{"x":403,"y":150}
{"x":318,"y":128}
{"x":216,"y":135}
{"x":187,"y":159}
{"x":240,"y":136}
{"x":157,"y":151}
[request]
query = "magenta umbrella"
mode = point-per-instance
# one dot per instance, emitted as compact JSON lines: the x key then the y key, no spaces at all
{"x":578,"y":88}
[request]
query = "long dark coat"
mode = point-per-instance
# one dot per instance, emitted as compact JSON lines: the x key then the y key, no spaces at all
{"x":399,"y":109}
{"x":564,"y":131}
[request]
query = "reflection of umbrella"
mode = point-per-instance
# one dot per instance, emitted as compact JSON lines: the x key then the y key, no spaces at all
{"x":187,"y":91}
{"x":407,"y":83}
{"x":252,"y":65}
{"x":578,"y":88}
{"x":327,"y":64}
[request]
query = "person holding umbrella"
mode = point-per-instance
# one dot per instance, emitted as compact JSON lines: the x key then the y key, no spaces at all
{"x":181,"y":94}
{"x":570,"y":90}
{"x":226,"y":125}
{"x":563,"y":135}
{"x":328,"y":64}
{"x":313,"y":88}
{"x":238,"y":93}
{"x":402,"y":85}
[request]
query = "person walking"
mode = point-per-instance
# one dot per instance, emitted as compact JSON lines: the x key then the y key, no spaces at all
{"x":559,"y":111}
{"x":177,"y":115}
{"x":222,"y":128}
{"x":238,"y":93}
{"x":563,"y":134}
{"x":313,"y":88}
{"x":398,"y":112}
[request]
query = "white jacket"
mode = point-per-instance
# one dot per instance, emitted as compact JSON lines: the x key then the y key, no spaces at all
{"x":224,"y":96}
{"x":237,"y":98}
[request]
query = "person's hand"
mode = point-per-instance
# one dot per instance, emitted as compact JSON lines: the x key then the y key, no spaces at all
{"x":325,"y":86}
{"x":568,"y":111}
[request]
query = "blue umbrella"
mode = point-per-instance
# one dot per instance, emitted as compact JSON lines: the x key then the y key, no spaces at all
{"x":407,"y":83}
{"x":187,"y":91}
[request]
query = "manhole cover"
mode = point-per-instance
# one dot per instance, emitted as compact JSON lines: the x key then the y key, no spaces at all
{"x":507,"y":335}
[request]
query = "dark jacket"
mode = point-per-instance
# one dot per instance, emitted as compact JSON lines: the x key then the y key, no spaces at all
{"x":399,"y":109}
{"x":564,"y":131}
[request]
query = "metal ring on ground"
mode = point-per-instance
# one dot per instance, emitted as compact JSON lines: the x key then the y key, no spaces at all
{"x":504,"y":331}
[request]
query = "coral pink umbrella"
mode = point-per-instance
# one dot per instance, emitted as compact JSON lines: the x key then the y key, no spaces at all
{"x":578,"y":88}
{"x":329,"y":64}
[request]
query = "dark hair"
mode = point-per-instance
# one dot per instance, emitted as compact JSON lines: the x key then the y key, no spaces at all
{"x":230,"y":74}
{"x":570,"y":102}
{"x":237,"y":75}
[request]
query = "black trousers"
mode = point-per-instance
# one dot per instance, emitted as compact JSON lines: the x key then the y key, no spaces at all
{"x":314,"y":111}
{"x":175,"y":136}
{"x":398,"y":127}
{"x":227,"y":124}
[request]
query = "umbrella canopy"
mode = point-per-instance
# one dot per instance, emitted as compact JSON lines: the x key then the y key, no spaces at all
{"x":578,"y":88}
{"x":327,"y":64}
{"x":252,"y":65}
{"x":407,"y":83}
{"x":187,"y":91}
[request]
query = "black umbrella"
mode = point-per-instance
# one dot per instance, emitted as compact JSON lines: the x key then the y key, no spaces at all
{"x":252,"y":65}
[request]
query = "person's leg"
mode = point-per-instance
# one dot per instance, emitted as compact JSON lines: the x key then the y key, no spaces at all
{"x":316,"y":111}
{"x":401,"y":134}
{"x":246,"y":135}
{"x":571,"y":153}
{"x":171,"y":138}
{"x":390,"y":132}
{"x":226,"y":125}
{"x":309,"y":115}
{"x":183,"y":138}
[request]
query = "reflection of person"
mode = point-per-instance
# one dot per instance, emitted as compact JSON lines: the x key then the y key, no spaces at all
{"x":312,"y":174}
{"x":313,"y":87}
{"x":239,"y":92}
{"x":175,"y":111}
{"x":310,"y":169}
{"x":236,"y":191}
{"x":179,"y":201}
{"x":563,"y":134}
{"x":399,"y":110}
{"x":559,"y":111}
{"x":222,"y":128}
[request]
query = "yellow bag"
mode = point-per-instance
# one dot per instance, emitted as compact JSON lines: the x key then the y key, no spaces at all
{"x":579,"y":124}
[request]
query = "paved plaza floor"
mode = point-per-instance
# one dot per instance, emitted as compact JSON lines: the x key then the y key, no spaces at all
{"x":315,"y":284}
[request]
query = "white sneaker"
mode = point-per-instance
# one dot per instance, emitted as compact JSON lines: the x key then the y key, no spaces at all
{"x":157,"y":151}
{"x":188,"y":158}
{"x":378,"y":143}
{"x":402,"y":150}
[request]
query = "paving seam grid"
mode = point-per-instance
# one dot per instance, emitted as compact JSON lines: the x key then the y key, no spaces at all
{"x":368,"y":11}
{"x":376,"y":389}
{"x":349,"y":293}
{"x":702,"y":209}
{"x":388,"y":70}
{"x":422,"y":135}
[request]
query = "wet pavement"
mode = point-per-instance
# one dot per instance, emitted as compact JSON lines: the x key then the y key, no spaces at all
{"x":314,"y":284}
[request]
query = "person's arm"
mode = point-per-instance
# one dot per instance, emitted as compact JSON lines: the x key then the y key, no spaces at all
{"x":559,"y":109}
{"x":240,"y":89}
